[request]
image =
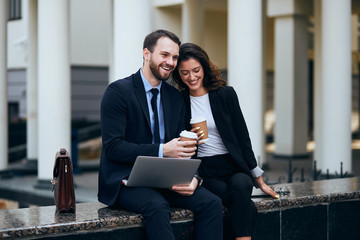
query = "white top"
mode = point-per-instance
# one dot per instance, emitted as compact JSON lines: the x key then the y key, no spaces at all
{"x":200,"y":107}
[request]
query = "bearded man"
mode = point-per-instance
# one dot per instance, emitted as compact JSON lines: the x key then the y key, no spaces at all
{"x":132,"y":126}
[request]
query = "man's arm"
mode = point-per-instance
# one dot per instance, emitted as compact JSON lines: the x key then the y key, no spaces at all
{"x":114,"y":121}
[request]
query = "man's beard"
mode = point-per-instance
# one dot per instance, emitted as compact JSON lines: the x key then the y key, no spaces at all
{"x":156,"y":71}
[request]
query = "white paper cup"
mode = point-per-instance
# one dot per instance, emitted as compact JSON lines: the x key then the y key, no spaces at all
{"x":188,"y":136}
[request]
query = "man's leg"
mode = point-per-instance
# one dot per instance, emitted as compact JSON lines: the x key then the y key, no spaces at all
{"x":154,"y":208}
{"x":207,"y":208}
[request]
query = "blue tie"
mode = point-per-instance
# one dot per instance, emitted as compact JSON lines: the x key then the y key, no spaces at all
{"x":156,"y":134}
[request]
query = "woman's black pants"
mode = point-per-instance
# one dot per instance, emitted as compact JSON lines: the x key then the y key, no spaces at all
{"x":223,"y":178}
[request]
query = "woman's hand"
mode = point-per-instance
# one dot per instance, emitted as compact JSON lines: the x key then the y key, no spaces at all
{"x":265,"y":188}
{"x":200,"y":135}
{"x":186,"y":189}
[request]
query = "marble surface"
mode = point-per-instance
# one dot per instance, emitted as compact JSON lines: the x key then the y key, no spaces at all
{"x":307,"y":193}
{"x":92,"y":216}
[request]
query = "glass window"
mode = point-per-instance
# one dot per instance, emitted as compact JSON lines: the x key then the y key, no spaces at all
{"x":13,"y":111}
{"x":14,"y":9}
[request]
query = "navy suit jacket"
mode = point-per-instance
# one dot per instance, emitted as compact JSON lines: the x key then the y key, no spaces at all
{"x":126,"y":131}
{"x":231,"y":125}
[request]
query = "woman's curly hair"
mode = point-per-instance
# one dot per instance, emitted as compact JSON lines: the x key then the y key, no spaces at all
{"x":212,"y":75}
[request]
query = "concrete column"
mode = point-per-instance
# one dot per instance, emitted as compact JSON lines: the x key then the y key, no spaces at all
{"x":32,"y":83}
{"x":54,"y":91}
{"x":4,"y":148}
{"x":291,"y":75}
{"x":111,"y":43}
{"x":132,"y":22}
{"x":245,"y":65}
{"x":336,"y":82}
{"x":318,"y":89}
{"x":291,"y":85}
{"x":192,"y":20}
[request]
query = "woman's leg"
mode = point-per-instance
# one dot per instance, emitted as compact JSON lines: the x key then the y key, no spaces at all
{"x":242,"y":209}
{"x":235,"y":193}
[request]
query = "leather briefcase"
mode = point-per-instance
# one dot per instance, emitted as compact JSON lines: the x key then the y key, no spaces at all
{"x":63,"y":183}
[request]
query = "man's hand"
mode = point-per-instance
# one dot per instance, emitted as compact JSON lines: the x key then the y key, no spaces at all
{"x":186,"y":189}
{"x":179,"y":149}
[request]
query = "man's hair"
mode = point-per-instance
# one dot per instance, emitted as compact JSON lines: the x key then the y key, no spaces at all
{"x":212,"y":74}
{"x":152,"y":38}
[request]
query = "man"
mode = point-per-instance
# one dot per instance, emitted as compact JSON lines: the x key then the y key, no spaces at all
{"x":129,"y":129}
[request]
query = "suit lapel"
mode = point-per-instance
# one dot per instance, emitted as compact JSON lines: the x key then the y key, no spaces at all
{"x":141,"y":96}
{"x":218,"y":111}
{"x":215,"y":109}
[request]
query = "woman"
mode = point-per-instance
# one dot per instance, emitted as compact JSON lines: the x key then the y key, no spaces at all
{"x":228,"y":166}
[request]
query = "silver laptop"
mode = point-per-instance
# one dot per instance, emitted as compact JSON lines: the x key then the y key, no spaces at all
{"x":161,"y":172}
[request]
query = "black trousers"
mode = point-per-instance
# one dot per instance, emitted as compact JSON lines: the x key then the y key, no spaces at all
{"x":224,"y":178}
{"x":154,"y":205}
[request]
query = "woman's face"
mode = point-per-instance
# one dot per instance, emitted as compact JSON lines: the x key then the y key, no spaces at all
{"x":192,"y":74}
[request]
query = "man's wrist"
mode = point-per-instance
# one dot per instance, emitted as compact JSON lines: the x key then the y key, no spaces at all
{"x":161,"y":150}
{"x":200,"y":180}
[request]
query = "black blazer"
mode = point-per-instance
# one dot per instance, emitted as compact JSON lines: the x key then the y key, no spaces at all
{"x":126,"y":131}
{"x":231,"y":125}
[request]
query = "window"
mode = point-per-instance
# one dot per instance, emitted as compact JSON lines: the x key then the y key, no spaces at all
{"x":13,"y":111}
{"x":14,"y":9}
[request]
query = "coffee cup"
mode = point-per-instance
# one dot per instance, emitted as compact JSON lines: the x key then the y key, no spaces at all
{"x":200,"y":122}
{"x":188,"y":136}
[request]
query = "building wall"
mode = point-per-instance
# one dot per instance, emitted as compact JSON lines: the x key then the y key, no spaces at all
{"x":90,"y":32}
{"x":168,"y":18}
{"x":17,"y":91}
{"x":89,"y":58}
{"x":87,"y":87}
{"x":17,"y":40}
{"x":215,"y":39}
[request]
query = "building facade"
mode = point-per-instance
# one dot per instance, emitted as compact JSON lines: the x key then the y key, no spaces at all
{"x":293,"y":63}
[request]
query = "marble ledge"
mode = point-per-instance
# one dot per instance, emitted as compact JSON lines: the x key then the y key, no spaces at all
{"x":309,"y":193}
{"x":32,"y":222}
{"x":27,"y":222}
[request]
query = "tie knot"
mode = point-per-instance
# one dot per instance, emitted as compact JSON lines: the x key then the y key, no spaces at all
{"x":154,"y":91}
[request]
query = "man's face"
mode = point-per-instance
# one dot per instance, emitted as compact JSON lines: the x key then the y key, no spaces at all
{"x":163,"y":59}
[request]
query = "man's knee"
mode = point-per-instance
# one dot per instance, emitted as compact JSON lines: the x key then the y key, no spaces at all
{"x":155,"y":207}
{"x":214,"y":203}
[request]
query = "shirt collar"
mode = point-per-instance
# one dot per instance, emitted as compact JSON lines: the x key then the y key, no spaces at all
{"x":147,"y":85}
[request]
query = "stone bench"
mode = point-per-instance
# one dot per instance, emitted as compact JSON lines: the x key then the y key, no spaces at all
{"x":327,"y":209}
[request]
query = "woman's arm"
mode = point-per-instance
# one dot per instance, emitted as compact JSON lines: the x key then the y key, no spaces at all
{"x":240,"y":128}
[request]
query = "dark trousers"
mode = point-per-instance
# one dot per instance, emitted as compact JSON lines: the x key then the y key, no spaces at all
{"x":154,"y":205}
{"x":225,"y":179}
